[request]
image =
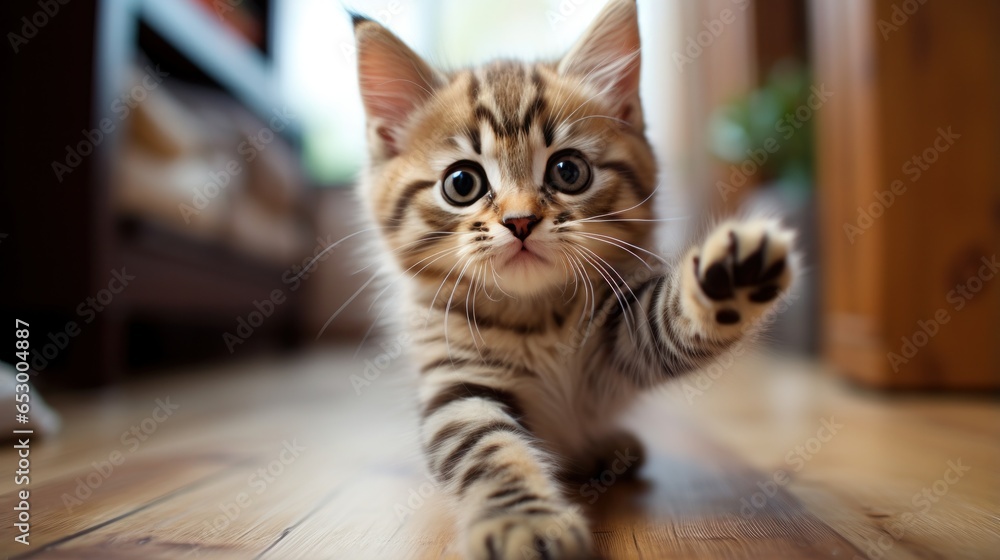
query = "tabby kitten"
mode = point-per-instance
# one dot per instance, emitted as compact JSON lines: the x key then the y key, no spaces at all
{"x":516,"y":201}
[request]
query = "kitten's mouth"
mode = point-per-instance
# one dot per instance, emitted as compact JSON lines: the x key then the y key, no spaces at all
{"x":525,"y":256}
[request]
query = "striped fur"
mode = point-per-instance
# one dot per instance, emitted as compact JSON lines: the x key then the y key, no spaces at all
{"x":528,"y":351}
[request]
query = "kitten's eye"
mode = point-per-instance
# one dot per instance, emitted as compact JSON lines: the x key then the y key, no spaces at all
{"x":464,"y":183}
{"x":568,"y":172}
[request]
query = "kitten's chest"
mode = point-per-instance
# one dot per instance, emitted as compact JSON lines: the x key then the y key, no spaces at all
{"x":546,"y":341}
{"x":550,"y":354}
{"x":543,"y":347}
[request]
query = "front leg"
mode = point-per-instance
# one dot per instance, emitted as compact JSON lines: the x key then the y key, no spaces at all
{"x":711,"y":300}
{"x":478,"y":448}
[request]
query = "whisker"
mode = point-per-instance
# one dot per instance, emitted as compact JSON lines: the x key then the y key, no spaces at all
{"x":579,"y":85}
{"x":401,"y":275}
{"x":581,"y":106}
{"x":580,"y":277}
{"x":599,"y":271}
{"x":593,"y":297}
{"x":424,"y":89}
{"x":611,"y":284}
{"x":588,"y":220}
{"x":443,"y":282}
{"x":576,"y":281}
{"x":609,"y":117}
{"x":617,"y":243}
{"x":405,"y":245}
{"x":474,"y":320}
{"x":438,"y":292}
{"x":486,"y":292}
{"x":586,"y":80}
{"x":633,"y":207}
{"x":496,"y":281}
{"x":468,"y":319}
{"x":610,"y":268}
{"x":346,"y":303}
{"x":589,"y":295}
{"x":593,"y":293}
{"x":447,"y":307}
{"x":330,"y":248}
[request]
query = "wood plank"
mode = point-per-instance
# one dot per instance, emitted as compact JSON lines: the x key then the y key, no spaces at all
{"x":867,"y":481}
{"x":240,"y":516}
{"x":73,"y":505}
{"x":350,"y":492}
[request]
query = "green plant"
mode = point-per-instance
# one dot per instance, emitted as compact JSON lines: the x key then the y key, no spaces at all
{"x":769,"y":118}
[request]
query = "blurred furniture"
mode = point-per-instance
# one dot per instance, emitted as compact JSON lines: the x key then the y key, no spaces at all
{"x":116,"y":203}
{"x":909,"y":185}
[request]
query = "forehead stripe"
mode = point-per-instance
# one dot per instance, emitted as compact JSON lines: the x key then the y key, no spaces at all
{"x":537,"y":106}
{"x":484,"y":114}
{"x":473,"y":88}
{"x":477,"y":142}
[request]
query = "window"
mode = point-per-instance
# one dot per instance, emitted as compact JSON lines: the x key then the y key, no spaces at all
{"x":314,"y":54}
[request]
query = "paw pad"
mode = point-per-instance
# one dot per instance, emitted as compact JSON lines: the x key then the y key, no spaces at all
{"x":742,"y":266}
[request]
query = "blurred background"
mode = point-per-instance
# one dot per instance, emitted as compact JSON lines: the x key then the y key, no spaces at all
{"x":171,"y":169}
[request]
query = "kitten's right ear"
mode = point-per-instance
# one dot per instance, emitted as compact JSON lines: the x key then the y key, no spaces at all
{"x":394,"y":82}
{"x":608,"y":56}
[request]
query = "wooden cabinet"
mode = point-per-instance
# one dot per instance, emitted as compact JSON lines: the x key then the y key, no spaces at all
{"x":909,"y":190}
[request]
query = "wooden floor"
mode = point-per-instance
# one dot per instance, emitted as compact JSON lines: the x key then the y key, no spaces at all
{"x":284,"y":459}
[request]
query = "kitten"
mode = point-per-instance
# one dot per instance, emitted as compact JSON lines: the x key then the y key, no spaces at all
{"x":516,"y":200}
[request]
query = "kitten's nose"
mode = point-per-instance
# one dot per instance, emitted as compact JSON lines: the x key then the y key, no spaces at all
{"x":520,"y":226}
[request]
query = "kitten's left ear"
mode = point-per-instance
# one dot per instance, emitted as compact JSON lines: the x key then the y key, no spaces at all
{"x":608,"y":56}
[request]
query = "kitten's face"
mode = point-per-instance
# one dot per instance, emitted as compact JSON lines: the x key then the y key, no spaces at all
{"x":520,"y":177}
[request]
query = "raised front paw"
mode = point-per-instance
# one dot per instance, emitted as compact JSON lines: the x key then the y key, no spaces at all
{"x":533,"y":532}
{"x":740,"y":267}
